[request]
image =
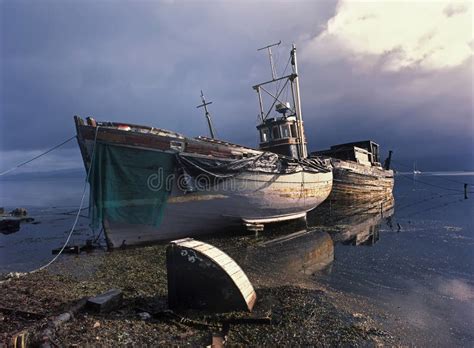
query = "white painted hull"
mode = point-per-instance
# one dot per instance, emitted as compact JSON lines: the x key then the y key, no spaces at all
{"x":255,"y":196}
{"x":258,"y":196}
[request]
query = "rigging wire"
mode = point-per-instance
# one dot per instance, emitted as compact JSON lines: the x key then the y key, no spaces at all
{"x":36,"y":157}
{"x":405,"y":176}
{"x":283,"y":74}
{"x":434,"y":196}
{"x":433,"y":207}
{"x":440,"y":178}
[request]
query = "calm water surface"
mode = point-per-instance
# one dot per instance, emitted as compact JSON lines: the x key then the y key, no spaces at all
{"x":420,"y":264}
{"x":416,"y":261}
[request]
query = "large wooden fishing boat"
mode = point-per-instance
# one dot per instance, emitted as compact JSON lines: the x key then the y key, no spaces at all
{"x":358,"y":173}
{"x":148,"y":184}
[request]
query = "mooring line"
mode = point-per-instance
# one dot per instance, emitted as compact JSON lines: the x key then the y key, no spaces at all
{"x":406,"y":176}
{"x":36,"y":157}
{"x":440,"y":177}
{"x":84,"y":191}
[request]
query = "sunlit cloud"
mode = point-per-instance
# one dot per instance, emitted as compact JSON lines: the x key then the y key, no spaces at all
{"x":401,"y":34}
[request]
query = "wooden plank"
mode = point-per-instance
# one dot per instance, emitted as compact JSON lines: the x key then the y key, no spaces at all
{"x":213,"y":253}
{"x":203,"y":248}
{"x":223,"y":259}
{"x":192,"y":244}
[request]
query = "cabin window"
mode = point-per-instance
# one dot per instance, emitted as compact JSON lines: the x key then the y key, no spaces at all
{"x":285,"y":131}
{"x":264,"y":135}
{"x":293,"y":131}
{"x":275,"y":132}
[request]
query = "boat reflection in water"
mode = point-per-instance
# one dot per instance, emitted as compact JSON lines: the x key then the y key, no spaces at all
{"x":288,"y":259}
{"x":292,"y":258}
{"x":354,"y":223}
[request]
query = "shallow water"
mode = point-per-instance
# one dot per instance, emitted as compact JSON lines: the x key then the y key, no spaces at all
{"x":421,"y":266}
{"x":53,"y":202}
{"x":415,"y":263}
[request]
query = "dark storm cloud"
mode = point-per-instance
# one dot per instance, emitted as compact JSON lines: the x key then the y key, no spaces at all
{"x":422,"y":116}
{"x":145,"y":62}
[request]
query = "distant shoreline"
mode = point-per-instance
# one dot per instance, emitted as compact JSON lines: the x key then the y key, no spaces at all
{"x":79,"y":173}
{"x":440,"y":173}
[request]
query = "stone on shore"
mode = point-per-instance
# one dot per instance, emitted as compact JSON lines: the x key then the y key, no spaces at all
{"x":106,"y":302}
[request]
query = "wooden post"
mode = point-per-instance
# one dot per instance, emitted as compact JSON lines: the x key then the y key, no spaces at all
{"x":465,"y":191}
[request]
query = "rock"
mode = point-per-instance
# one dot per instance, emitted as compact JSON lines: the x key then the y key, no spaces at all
{"x":105,"y":302}
{"x":144,"y":316}
{"x":19,"y":212}
{"x":96,"y":325}
{"x":8,"y":226}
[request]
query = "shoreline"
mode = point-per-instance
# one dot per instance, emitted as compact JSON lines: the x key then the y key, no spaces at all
{"x":300,"y":313}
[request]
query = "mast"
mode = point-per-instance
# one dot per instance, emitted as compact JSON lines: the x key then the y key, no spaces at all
{"x":299,"y":117}
{"x":270,"y":56}
{"x":282,"y":134}
{"x":208,"y":115}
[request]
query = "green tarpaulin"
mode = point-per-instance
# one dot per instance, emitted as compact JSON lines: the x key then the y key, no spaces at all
{"x":129,"y":185}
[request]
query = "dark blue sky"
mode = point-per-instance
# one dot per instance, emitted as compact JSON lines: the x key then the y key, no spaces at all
{"x":145,"y":63}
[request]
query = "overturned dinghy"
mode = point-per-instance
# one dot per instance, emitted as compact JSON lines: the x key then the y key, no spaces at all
{"x":202,"y":277}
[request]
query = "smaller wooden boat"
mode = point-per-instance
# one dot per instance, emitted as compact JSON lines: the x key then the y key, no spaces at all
{"x":357,"y":172}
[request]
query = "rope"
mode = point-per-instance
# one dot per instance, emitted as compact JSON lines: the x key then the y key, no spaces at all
{"x":435,"y":196}
{"x":432,"y":208}
{"x":77,"y":215}
{"x":441,"y":178}
{"x":84,"y":190}
{"x":432,"y":185}
{"x":283,"y":74}
{"x":40,"y":155}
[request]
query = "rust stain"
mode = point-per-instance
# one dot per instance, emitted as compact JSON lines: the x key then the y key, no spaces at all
{"x":194,"y":198}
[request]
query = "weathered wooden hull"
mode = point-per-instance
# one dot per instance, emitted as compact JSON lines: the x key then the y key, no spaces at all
{"x":358,"y":182}
{"x":260,"y":197}
{"x":249,"y":196}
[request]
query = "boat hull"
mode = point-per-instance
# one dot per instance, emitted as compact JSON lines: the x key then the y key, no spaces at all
{"x":260,"y":197}
{"x":358,"y":182}
{"x":250,"y":195}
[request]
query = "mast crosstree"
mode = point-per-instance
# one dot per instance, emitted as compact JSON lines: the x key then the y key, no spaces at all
{"x":208,"y":115}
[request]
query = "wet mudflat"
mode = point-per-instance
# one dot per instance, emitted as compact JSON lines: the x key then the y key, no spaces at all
{"x":362,"y":276}
{"x":299,"y":313}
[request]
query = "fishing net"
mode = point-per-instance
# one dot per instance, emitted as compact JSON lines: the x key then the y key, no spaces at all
{"x":128,"y":185}
{"x":265,"y":162}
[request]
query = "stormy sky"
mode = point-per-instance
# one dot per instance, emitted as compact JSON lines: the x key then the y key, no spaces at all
{"x":400,"y":73}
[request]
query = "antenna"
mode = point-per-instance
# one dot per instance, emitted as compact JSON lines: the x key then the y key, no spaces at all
{"x":269,"y":47}
{"x":208,"y":115}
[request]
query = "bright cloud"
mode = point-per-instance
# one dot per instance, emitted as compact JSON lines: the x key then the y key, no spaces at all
{"x":403,"y":34}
